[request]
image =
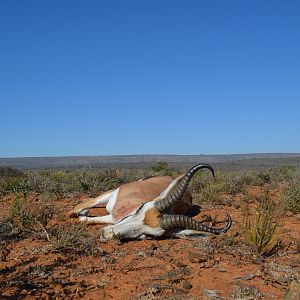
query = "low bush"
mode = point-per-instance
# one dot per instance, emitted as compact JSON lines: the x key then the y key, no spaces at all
{"x":292,"y":196}
{"x":28,"y":219}
{"x":234,"y":184}
{"x":211,"y":193}
{"x":11,"y":180}
{"x":160,"y":166}
{"x":261,"y":230}
{"x":73,"y":238}
{"x":20,"y":214}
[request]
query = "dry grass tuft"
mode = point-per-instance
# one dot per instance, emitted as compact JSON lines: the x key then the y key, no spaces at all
{"x":261,"y":230}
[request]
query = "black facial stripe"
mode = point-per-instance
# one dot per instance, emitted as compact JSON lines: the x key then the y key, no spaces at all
{"x":139,"y":209}
{"x":124,"y":218}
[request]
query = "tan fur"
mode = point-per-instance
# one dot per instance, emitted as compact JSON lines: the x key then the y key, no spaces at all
{"x":133,"y":194}
{"x":152,"y":218}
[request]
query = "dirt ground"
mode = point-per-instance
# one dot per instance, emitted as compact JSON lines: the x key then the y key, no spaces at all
{"x":211,"y":268}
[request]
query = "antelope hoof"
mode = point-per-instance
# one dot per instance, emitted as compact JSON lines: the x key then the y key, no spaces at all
{"x":72,"y":214}
{"x":75,"y":214}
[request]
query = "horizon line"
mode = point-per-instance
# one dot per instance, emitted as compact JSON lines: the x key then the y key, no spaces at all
{"x":114,"y":155}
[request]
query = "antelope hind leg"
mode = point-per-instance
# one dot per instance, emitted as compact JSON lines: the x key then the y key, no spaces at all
{"x":81,"y":209}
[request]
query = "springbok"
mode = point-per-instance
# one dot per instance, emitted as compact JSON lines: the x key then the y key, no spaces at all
{"x":151,"y":207}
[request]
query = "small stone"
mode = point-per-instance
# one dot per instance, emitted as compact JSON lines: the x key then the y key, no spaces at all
{"x":180,"y":264}
{"x":197,"y":257}
{"x":222,"y":270}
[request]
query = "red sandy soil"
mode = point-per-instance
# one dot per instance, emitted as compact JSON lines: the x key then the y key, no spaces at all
{"x":150,"y":269}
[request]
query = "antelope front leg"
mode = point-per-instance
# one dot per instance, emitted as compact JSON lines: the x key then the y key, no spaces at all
{"x":108,"y":219}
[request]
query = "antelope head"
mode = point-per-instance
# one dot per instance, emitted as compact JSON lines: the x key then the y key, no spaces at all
{"x":155,"y":218}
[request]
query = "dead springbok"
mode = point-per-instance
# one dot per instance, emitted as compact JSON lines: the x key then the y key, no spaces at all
{"x":150,"y":207}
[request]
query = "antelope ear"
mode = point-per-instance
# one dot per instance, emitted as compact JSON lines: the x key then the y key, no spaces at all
{"x":164,"y":193}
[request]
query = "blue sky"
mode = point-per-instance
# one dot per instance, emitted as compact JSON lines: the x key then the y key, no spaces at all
{"x":149,"y":77}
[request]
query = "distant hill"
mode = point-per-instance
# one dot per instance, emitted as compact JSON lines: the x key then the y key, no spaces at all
{"x":234,"y":161}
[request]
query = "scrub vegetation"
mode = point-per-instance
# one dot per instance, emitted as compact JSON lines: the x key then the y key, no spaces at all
{"x":40,"y":247}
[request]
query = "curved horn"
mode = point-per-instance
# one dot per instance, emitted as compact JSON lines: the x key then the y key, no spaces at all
{"x":185,"y":222}
{"x":178,"y":191}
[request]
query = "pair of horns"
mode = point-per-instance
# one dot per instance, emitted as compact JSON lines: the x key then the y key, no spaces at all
{"x":182,"y":221}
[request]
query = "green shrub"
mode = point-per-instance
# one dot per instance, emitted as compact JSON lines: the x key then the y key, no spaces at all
{"x":95,"y":183}
{"x":129,"y":175}
{"x":282,"y":173}
{"x":261,"y":231}
{"x":30,"y":218}
{"x":234,"y":184}
{"x":160,"y":166}
{"x":274,"y":175}
{"x":211,"y":193}
{"x":12,"y":180}
{"x":20,"y":214}
{"x":292,"y":196}
{"x":72,"y":237}
{"x":10,"y":172}
{"x":263,"y":177}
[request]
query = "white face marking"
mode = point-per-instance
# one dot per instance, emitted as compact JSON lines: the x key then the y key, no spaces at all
{"x":132,"y":226}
